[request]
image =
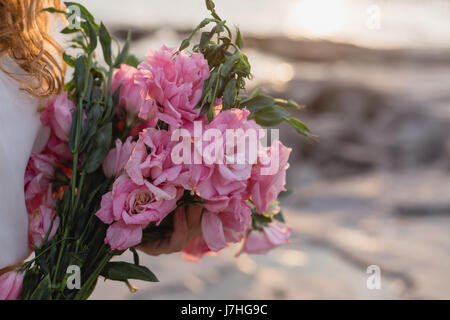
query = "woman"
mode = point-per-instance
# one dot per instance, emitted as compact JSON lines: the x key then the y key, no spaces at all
{"x":31,"y":71}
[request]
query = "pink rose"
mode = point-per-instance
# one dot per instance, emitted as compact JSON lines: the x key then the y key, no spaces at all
{"x":58,"y":148}
{"x":265,"y":187}
{"x":133,"y":207}
{"x":226,"y":226}
{"x":175,"y":81}
{"x":133,"y":99}
{"x":117,"y":158}
{"x":121,"y":236}
{"x":39,"y":225}
{"x":11,"y":286}
{"x":151,"y":158}
{"x":58,"y":116}
{"x":273,"y":235}
{"x":217,"y":183}
{"x":39,"y":172}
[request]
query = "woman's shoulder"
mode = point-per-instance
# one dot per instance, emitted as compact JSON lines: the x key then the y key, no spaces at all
{"x":12,"y":96}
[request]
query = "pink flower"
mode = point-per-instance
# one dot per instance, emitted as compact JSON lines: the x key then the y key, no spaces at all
{"x":117,"y":158}
{"x":175,"y":81}
{"x":133,"y":99}
{"x":39,"y":224}
{"x":273,"y":235}
{"x":132,"y":207}
{"x":40,"y":170}
{"x":227,"y":176}
{"x":11,"y":286}
{"x":226,"y":226}
{"x":58,"y":148}
{"x":58,"y":116}
{"x":265,"y":187}
{"x":151,"y":158}
{"x":121,"y":236}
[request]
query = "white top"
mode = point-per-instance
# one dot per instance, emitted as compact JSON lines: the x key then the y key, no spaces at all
{"x":19,"y":127}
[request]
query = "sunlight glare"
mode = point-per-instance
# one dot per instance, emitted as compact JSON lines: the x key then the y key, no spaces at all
{"x":316,"y":18}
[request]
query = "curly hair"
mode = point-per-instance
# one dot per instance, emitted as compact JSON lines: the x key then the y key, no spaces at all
{"x":24,"y":37}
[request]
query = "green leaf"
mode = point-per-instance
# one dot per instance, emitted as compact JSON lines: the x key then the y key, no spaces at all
{"x":100,"y":148}
{"x":110,"y":110}
{"x":79,"y":73}
{"x":230,"y":63}
{"x":69,"y":30}
{"x":30,"y":283}
{"x":279,"y":217}
{"x":43,"y":290}
{"x":91,"y":33}
{"x":86,"y":290}
{"x":244,"y":66}
{"x":259,"y":221}
{"x":270,"y":116}
{"x":229,"y":94}
{"x":299,"y":126}
{"x":239,"y":39}
{"x":84,"y":12}
{"x":105,"y":40}
{"x":54,"y":10}
{"x":205,"y":39}
{"x":132,"y":60}
{"x":256,"y":92}
{"x":284,"y":194}
{"x":69,"y":86}
{"x":68,"y":60}
{"x":90,"y":128}
{"x":122,"y":57}
{"x":257,"y":102}
{"x":122,"y":271}
{"x":79,"y":42}
{"x":287,"y":103}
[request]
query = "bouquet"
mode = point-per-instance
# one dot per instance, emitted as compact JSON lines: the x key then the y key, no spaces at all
{"x":135,"y":147}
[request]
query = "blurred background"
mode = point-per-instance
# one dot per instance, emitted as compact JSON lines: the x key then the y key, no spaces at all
{"x":372,"y":189}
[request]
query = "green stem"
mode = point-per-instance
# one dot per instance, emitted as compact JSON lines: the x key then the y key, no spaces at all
{"x":80,"y":187}
{"x":75,"y":162}
{"x":30,"y":262}
{"x":94,"y":275}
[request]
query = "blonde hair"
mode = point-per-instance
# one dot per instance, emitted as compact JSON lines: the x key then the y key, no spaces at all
{"x":24,"y":37}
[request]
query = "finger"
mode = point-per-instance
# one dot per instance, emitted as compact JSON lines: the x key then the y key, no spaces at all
{"x":180,"y":232}
{"x":152,"y":248}
{"x":175,"y":242}
{"x":194,"y":217}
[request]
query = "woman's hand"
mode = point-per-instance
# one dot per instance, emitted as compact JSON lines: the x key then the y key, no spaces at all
{"x":187,"y":224}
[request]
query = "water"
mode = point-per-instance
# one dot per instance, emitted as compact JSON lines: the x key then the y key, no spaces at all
{"x":372,"y":23}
